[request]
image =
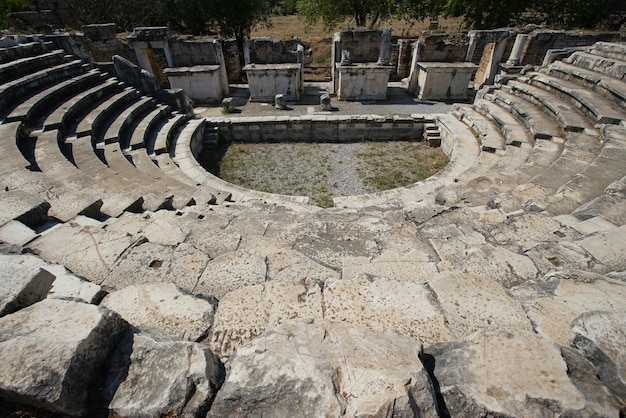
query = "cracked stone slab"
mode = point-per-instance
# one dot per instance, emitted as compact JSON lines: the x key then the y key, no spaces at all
{"x":162,"y":308}
{"x":386,"y":304}
{"x":151,"y":377}
{"x":287,"y":265}
{"x":472,"y":303}
{"x":231,"y":271}
{"x":503,"y":374}
{"x":500,"y":264}
{"x":608,"y":248}
{"x":601,"y":336}
{"x":246,"y":313}
{"x":52,"y":352}
{"x":87,"y":251}
{"x":392,"y":267}
{"x":553,"y":305}
{"x":323,"y":368}
{"x":22,"y":286}
{"x":65,"y":285}
{"x":154,"y":226}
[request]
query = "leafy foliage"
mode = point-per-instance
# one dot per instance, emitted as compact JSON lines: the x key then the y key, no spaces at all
{"x":8,"y":6}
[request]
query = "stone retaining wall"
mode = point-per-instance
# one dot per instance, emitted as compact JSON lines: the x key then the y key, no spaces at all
{"x":321,"y":128}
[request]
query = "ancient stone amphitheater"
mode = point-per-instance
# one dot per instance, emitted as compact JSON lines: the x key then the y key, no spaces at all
{"x":134,"y":285}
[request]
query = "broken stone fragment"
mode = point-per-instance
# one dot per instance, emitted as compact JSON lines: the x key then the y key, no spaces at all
{"x":322,"y":368}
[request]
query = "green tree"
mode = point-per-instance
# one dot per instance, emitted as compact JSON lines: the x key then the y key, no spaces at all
{"x":127,"y":14}
{"x":9,"y":6}
{"x":237,"y":18}
{"x":610,"y":14}
{"x":484,"y":14}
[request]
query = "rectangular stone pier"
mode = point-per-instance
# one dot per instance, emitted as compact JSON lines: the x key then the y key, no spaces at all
{"x":265,"y":81}
{"x":202,"y":83}
{"x":442,"y":80}
{"x":363,"y":81}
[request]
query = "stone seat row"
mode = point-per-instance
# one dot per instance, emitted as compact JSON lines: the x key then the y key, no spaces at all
{"x":71,"y":172}
{"x":582,"y":164}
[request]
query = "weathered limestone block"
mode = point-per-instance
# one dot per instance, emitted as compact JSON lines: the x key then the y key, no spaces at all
{"x":21,"y":286}
{"x":151,"y":377}
{"x":472,"y":303}
{"x":412,"y":267}
{"x":231,"y":271}
{"x":552,"y":305}
{"x":386,"y":304}
{"x":65,"y":285}
{"x":143,"y":263}
{"x":608,"y":248}
{"x":601,"y":336}
{"x":289,"y":265}
{"x":322,"y":368}
{"x":502,"y":265}
{"x":52,"y":352}
{"x":245,"y":313}
{"x":162,"y":308}
{"x":503,"y":374}
{"x":87,"y":251}
{"x":600,"y":401}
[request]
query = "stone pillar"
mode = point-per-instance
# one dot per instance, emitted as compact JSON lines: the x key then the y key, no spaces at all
{"x":518,"y":49}
{"x":384,"y":57}
{"x":152,"y":51}
{"x":335,"y":59}
{"x":473,"y":40}
{"x":414,"y":73}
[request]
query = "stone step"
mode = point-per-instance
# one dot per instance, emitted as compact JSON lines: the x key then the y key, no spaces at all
{"x":146,"y":127}
{"x":614,"y":67}
{"x":23,"y":66}
{"x":22,"y":50}
{"x":122,"y":120}
{"x":26,"y":208}
{"x":491,"y":139}
{"x":580,"y":150}
{"x":93,"y":120}
{"x":32,"y":108}
{"x":13,"y":91}
{"x":166,"y":133}
{"x":570,"y":118}
{"x":535,"y":119}
{"x":145,"y":165}
{"x":133,"y":196}
{"x":603,"y":84}
{"x":74,"y":192}
{"x":515,"y":133}
{"x":123,"y":167}
{"x":65,"y":114}
{"x":588,"y":101}
{"x":612,"y":50}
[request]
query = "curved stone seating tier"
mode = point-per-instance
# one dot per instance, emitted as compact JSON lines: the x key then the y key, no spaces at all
{"x":64,"y":116}
{"x":570,"y":118}
{"x":179,"y":197}
{"x":146,"y":128}
{"x":19,"y":68}
{"x":93,"y":122}
{"x":603,"y":84}
{"x":159,"y":143}
{"x":490,"y":137}
{"x":588,"y":101}
{"x":22,"y":50}
{"x":12,"y":91}
{"x":91,"y":162}
{"x":37,"y":105}
{"x":537,"y":121}
{"x":611,"y":63}
{"x":115,"y":130}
